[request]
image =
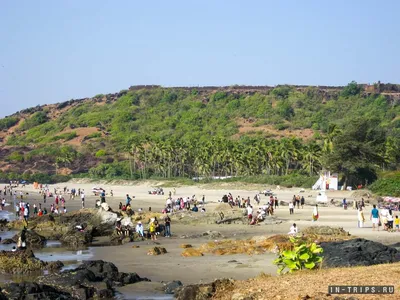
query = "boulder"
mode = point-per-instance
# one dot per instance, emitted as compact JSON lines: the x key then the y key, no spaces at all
{"x":75,"y":238}
{"x":170,"y":287}
{"x":20,"y":262}
{"x":92,"y":279}
{"x":157,"y":251}
{"x":121,"y":239}
{"x":212,"y":234}
{"x":54,"y":266}
{"x":357,"y":252}
{"x":184,"y":246}
{"x":33,"y":239}
{"x":103,"y":229}
{"x":189,"y":252}
{"x":325,"y":230}
{"x":30,"y":290}
{"x":107,"y":216}
{"x":7,"y":241}
{"x":201,"y":291}
{"x":127,"y":221}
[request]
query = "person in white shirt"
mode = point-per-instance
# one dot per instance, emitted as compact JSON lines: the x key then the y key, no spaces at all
{"x":249,"y":212}
{"x":293,"y":229}
{"x":291,"y":207}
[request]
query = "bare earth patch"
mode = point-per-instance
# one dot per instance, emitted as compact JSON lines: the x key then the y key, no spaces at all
{"x":314,"y":284}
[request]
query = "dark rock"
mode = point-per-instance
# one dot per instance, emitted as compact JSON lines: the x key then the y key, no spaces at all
{"x":101,"y":269}
{"x":201,"y":291}
{"x":357,"y":252}
{"x":128,"y":278}
{"x":170,"y":287}
{"x":7,"y":241}
{"x":33,"y":239}
{"x":54,"y":265}
{"x":103,"y":230}
{"x":31,"y":290}
{"x":75,"y":238}
{"x":116,"y":239}
{"x":157,"y":251}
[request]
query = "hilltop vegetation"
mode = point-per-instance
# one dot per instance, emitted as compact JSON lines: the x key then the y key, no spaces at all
{"x":232,"y":131}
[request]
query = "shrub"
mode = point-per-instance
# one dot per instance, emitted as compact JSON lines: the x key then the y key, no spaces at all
{"x":36,"y":119}
{"x":16,"y":156}
{"x":101,"y":153}
{"x":387,"y":186}
{"x":8,"y":122}
{"x":303,"y":256}
{"x":93,"y":135}
{"x":65,"y":136}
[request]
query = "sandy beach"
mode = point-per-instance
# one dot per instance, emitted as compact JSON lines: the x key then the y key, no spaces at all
{"x":172,"y":266}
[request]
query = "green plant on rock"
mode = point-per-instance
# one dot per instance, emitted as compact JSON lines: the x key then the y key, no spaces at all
{"x":303,"y":256}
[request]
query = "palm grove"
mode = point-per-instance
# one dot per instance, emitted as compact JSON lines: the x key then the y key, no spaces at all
{"x":187,"y":132}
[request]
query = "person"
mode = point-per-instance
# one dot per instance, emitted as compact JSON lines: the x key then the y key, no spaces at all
{"x":397,"y":223}
{"x":203,"y":199}
{"x":361,"y":218}
{"x":139,"y":230}
{"x":390,"y":221}
{"x":118,"y":226}
{"x":291,"y":208}
{"x":152,"y":230}
{"x":315,"y":214}
{"x":195,"y":208}
{"x":293,"y":229}
{"x":128,"y":200}
{"x":276,"y":202}
{"x":354,"y":204}
{"x":83,"y":199}
{"x":344,"y":204}
{"x":167,"y":222}
{"x":250,"y":212}
{"x":375,"y":217}
{"x":302,"y":201}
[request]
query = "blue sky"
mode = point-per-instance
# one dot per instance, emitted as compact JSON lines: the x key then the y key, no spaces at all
{"x":53,"y":51}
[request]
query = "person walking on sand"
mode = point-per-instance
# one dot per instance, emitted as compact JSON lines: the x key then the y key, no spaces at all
{"x":83,"y":199}
{"x":375,"y":217}
{"x":291,"y":208}
{"x":315,"y":214}
{"x":167,"y":222}
{"x":361,"y":218}
{"x":302,"y":201}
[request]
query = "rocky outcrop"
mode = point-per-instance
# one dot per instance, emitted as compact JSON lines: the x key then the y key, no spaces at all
{"x":31,"y":290}
{"x":33,"y":239}
{"x":201,"y":291}
{"x":89,"y":280}
{"x":20,"y":262}
{"x":325,"y":230}
{"x":357,"y":252}
{"x":107,"y":217}
{"x":77,"y":238}
{"x":172,"y":286}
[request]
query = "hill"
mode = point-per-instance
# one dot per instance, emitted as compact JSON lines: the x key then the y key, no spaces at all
{"x":199,"y":131}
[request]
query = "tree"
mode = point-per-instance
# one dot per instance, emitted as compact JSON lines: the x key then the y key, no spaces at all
{"x":357,"y":151}
{"x":352,"y":89}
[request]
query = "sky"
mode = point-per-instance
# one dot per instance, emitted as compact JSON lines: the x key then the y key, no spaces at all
{"x":54,"y":51}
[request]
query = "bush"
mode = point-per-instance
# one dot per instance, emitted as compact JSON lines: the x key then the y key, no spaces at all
{"x":8,"y":122}
{"x":16,"y":157}
{"x":303,"y":256}
{"x":93,"y":135}
{"x":101,"y":153}
{"x":36,"y":119}
{"x":387,"y":186}
{"x":65,"y":136}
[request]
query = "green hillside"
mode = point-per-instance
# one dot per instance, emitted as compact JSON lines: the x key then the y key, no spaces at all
{"x":150,"y":131}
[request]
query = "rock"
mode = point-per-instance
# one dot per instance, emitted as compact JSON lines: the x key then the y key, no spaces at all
{"x":54,"y":265}
{"x":29,"y":290}
{"x":283,"y":203}
{"x":185,"y":246}
{"x":7,"y":241}
{"x":201,"y":291}
{"x":33,"y":239}
{"x":213,"y":234}
{"x":101,"y":269}
{"x":239,"y":296}
{"x":325,"y":230}
{"x":129,"y":278}
{"x":127,"y":221}
{"x":107,"y":216}
{"x":74,"y":238}
{"x":189,"y":252}
{"x":135,"y":246}
{"x":156,"y":251}
{"x":103,"y":229}
{"x":116,"y":239}
{"x":105,"y":206}
{"x":357,"y":252}
{"x":20,"y":262}
{"x":170,"y":287}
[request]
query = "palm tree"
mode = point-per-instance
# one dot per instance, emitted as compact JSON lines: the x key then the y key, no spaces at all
{"x":333,"y":132}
